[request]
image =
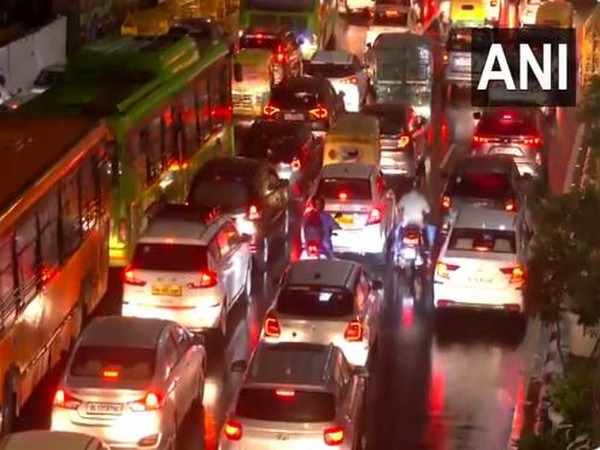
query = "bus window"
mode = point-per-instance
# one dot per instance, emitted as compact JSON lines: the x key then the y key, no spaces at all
{"x":7,"y":281}
{"x":27,"y":259}
{"x":48,"y":230}
{"x":214,"y":83}
{"x":169,"y":139}
{"x":88,"y":196}
{"x":150,"y":144}
{"x":225,"y":89}
{"x":70,"y":237}
{"x":203,"y":108}
{"x":189,"y":119}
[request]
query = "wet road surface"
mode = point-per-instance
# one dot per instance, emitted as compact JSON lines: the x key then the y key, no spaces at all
{"x":447,"y":382}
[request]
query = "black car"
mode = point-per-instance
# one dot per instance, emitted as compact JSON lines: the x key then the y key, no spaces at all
{"x":305,"y":99}
{"x":402,"y":137}
{"x":290,"y":149}
{"x":487,"y":181}
{"x":250,"y":192}
{"x":284,"y":45}
{"x":202,"y":30}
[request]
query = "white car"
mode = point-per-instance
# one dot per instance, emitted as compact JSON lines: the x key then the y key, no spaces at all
{"x":189,"y":268}
{"x":359,"y":200}
{"x":51,"y":440}
{"x":357,"y":6}
{"x":402,"y":19}
{"x":481,"y":263}
{"x":345,"y":72}
{"x":528,"y":11}
{"x":131,"y":382}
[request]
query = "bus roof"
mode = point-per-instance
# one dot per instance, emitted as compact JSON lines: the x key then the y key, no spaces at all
{"x":30,"y":146}
{"x":113,"y":76}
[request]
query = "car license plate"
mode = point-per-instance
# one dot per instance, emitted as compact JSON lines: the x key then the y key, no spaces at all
{"x":293,"y":116}
{"x":480,"y":280}
{"x":392,"y":14}
{"x":173,"y":290}
{"x":104,"y":408}
{"x":510,"y":151}
{"x":345,"y":220}
{"x":409,"y":253}
{"x":462,"y":61}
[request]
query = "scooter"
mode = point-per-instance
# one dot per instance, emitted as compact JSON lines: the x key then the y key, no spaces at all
{"x":409,"y":258}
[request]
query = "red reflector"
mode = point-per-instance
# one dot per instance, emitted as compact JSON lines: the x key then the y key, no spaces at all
{"x":232,"y":430}
{"x":333,"y":436}
{"x":271,"y":327}
{"x":285,"y":393}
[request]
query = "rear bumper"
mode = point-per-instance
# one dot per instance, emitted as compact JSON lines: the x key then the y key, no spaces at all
{"x":368,"y":240}
{"x":448,"y":295}
{"x":459,"y":77}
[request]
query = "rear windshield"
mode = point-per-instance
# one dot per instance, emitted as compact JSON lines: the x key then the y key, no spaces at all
{"x":297,"y":406}
{"x":405,"y":67}
{"x":331,"y":70}
{"x":481,"y":185}
{"x":310,"y":302}
{"x":169,"y":257}
{"x":461,"y":41}
{"x":491,"y":126}
{"x":258,"y":41}
{"x":295,"y":99}
{"x":490,"y":241}
{"x":122,"y":363}
{"x":390,"y":19}
{"x":224,"y":193}
{"x":352,"y":189}
{"x":274,"y":141}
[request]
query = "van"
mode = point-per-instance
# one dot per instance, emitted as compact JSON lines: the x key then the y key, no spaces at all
{"x":353,"y":138}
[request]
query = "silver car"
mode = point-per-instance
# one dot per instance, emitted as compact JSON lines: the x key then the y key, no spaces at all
{"x":327,"y":302}
{"x":51,"y":440}
{"x":131,"y":382}
{"x":297,"y":396}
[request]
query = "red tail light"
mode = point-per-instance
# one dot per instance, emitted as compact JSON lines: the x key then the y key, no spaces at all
{"x":354,"y":331}
{"x":271,"y":326}
{"x":343,"y":196}
{"x":232,"y":430}
{"x":129,"y":277}
{"x":285,"y":393}
{"x":207,"y":279}
{"x":280,"y":55}
{"x":510,"y":205}
{"x":446,"y":202}
{"x":319,"y":113}
{"x":312,"y":249}
{"x":62,"y":399}
{"x":152,"y":401}
{"x":374,"y":217}
{"x":334,"y":436}
{"x":480,"y":139}
{"x":403,"y":141}
{"x":350,"y":80}
{"x":443,"y":270}
{"x":481,"y":248}
{"x":533,"y":140}
{"x":110,"y":374}
{"x":296,"y":164}
{"x":516,"y":274}
{"x":253,"y":212}
{"x":270,"y":110}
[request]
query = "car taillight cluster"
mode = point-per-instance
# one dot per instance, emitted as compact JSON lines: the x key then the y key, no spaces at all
{"x":253,"y":212}
{"x":349,"y":80}
{"x":207,"y":279}
{"x":516,"y":274}
{"x":354,"y":331}
{"x":271,"y":326}
{"x":374,"y":216}
{"x":443,"y":270}
{"x":151,"y":401}
{"x":319,"y":113}
{"x":270,"y":110}
{"x":129,"y":277}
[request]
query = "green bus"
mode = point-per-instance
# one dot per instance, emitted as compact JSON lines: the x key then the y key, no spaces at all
{"x":167,"y":102}
{"x":313,"y":21}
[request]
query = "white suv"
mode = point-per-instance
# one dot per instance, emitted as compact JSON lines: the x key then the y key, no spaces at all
{"x":187,"y":267}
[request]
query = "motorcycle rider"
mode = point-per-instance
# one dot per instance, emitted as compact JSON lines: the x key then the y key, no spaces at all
{"x":413,"y":208}
{"x":318,"y":226}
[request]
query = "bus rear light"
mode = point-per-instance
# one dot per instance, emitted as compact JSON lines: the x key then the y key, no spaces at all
{"x":130,"y":278}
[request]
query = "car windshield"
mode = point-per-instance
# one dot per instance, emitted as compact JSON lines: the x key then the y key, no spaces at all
{"x":169,"y":257}
{"x":261,"y":41}
{"x":348,"y":188}
{"x":225,"y":193}
{"x":390,"y":18}
{"x":295,"y":99}
{"x":481,"y":185}
{"x":490,"y":241}
{"x":285,"y":405}
{"x":312,"y":302}
{"x":121,"y":363}
{"x":328,"y":70}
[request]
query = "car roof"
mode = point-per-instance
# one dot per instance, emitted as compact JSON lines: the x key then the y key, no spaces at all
{"x":117,"y":331}
{"x":48,"y":440}
{"x":302,"y":83}
{"x":485,"y":163}
{"x":291,"y":363}
{"x":348,"y":170}
{"x":485,"y":219}
{"x":184,"y":224}
{"x":322,"y":273}
{"x":332,"y":57}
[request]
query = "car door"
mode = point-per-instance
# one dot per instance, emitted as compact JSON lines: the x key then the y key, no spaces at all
{"x":239,"y":259}
{"x":417,"y":134}
{"x":188,"y":365}
{"x":387,"y":200}
{"x":370,"y":306}
{"x":171,"y":374}
{"x":361,"y":78}
{"x":225,"y":266}
{"x":351,"y":398}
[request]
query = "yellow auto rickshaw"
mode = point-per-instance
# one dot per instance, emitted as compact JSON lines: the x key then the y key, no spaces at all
{"x":468,"y":13}
{"x":252,"y":81}
{"x":353,"y":138}
{"x":555,"y":14}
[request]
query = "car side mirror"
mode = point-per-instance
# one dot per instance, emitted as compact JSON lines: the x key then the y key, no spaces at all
{"x":477,"y":115}
{"x":199,"y":340}
{"x":239,"y":366}
{"x":361,"y":372}
{"x":377,"y":285}
{"x":238,"y":75}
{"x":369,"y":45}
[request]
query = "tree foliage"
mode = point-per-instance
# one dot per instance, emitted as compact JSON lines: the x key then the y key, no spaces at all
{"x":565,"y":261}
{"x":588,"y":109}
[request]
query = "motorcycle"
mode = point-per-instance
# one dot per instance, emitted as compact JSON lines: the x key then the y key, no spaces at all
{"x":312,"y":250}
{"x":409,"y":257}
